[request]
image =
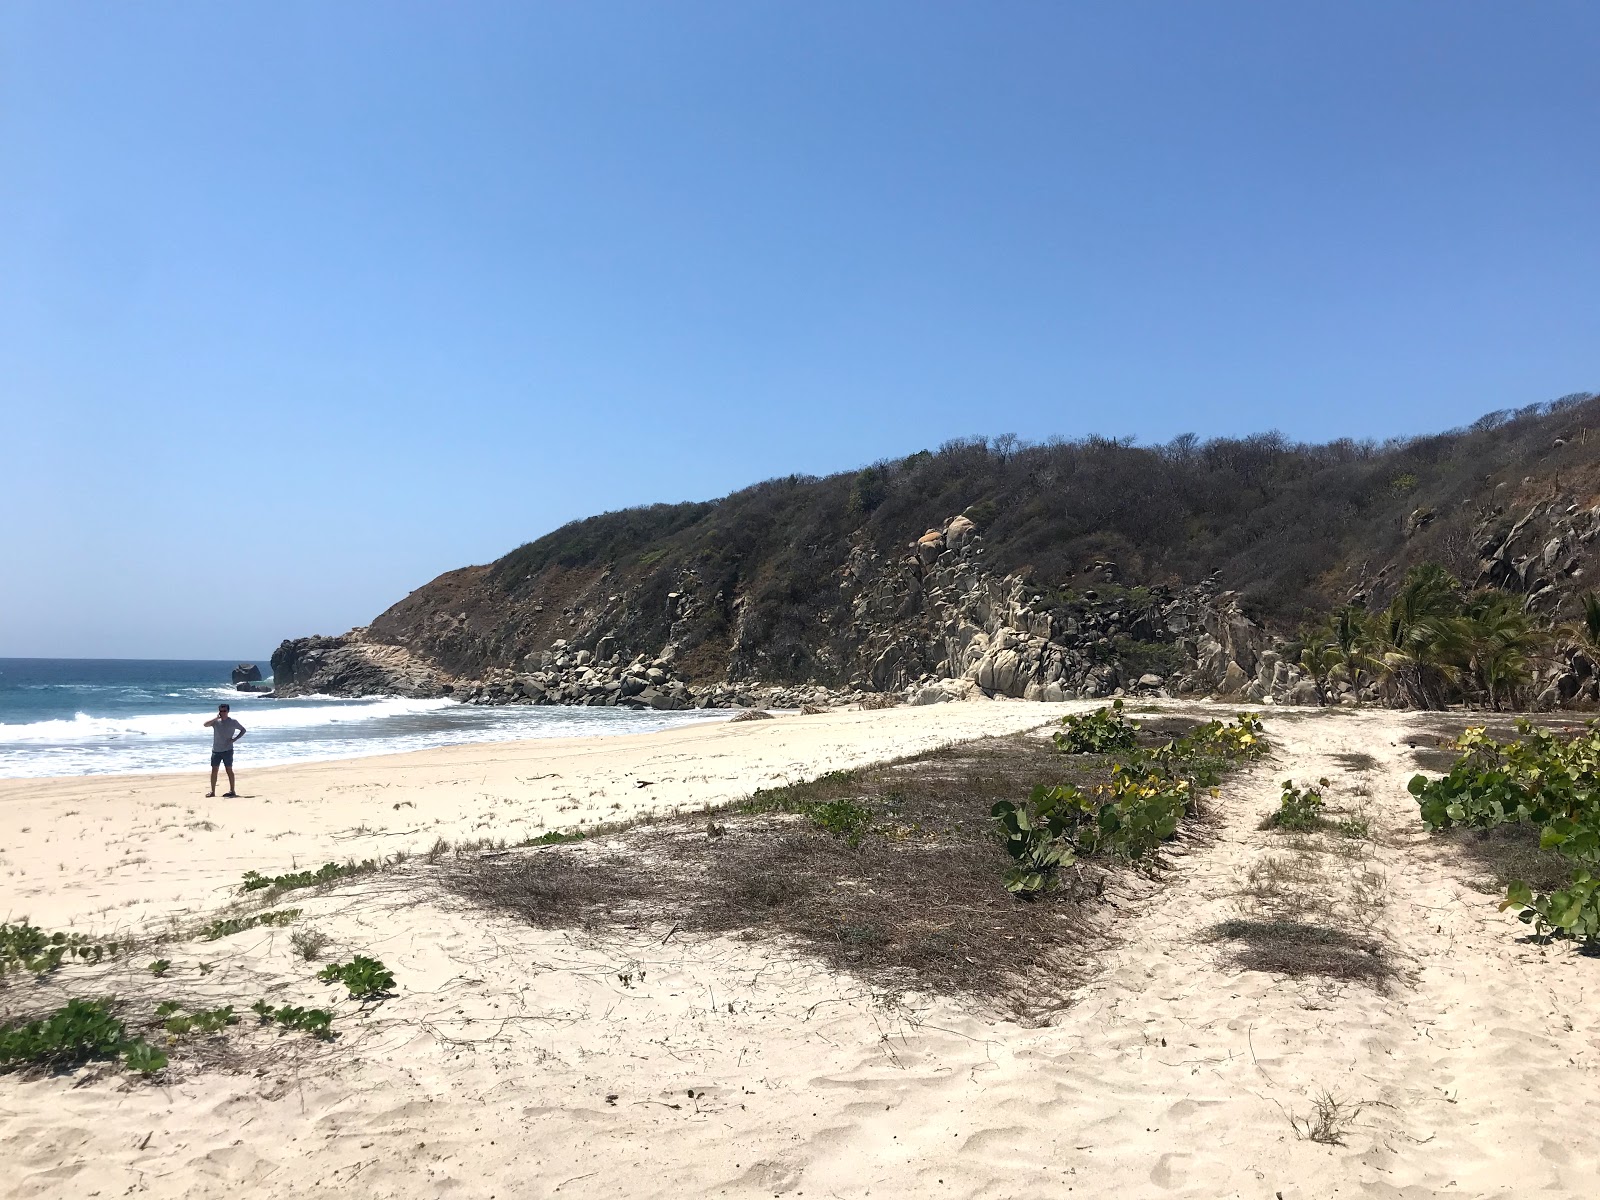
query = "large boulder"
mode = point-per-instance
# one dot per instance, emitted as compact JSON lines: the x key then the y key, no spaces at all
{"x":352,"y":666}
{"x":939,"y":691}
{"x":1233,"y":680}
{"x":1305,"y":692}
{"x":958,"y":532}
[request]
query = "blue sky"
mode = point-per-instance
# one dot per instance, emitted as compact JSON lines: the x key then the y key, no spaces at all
{"x":304,"y":303}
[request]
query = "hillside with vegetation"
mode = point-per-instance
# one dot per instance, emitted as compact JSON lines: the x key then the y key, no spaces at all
{"x":1124,"y":561}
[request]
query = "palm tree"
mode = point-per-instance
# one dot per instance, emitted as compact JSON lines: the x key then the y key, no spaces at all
{"x":1419,"y":640}
{"x":1336,"y":644}
{"x":1501,"y":639}
{"x":1579,"y":641}
{"x":1349,"y":629}
{"x":1584,"y":635}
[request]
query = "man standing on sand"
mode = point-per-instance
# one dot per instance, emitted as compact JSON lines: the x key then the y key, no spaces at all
{"x":225,"y":731}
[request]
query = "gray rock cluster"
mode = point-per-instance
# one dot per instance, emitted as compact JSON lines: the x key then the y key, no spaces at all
{"x":943,"y":627}
{"x":1231,"y":656}
{"x":1573,"y":677}
{"x":1540,"y":551}
{"x":564,"y":674}
{"x":351,"y":665}
{"x":1541,"y":556}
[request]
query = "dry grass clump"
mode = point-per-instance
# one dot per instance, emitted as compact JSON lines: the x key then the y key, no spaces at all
{"x":1302,"y":948}
{"x":1434,"y":758}
{"x":1507,"y":853}
{"x":890,"y":873}
{"x":1285,"y":886}
{"x":308,"y":943}
{"x":1328,"y":1121}
{"x":1356,"y":761}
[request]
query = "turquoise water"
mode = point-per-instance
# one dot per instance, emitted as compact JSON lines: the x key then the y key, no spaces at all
{"x":77,"y":716}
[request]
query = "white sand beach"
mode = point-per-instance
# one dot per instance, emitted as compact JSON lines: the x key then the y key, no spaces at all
{"x":516,"y":1061}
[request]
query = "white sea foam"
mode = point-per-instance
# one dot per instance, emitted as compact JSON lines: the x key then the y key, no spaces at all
{"x":84,"y":729}
{"x":300,"y":730}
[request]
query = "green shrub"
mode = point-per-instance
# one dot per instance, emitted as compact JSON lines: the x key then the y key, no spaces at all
{"x":1140,"y":657}
{"x":26,"y":947}
{"x":1035,"y":834}
{"x":232,"y":925}
{"x":316,"y":1021}
{"x":868,"y":490}
{"x":983,"y":513}
{"x":1242,"y":739}
{"x":1127,"y":819}
{"x":1143,"y":810}
{"x":79,"y":1031}
{"x":1149,"y":794}
{"x":1574,"y":909}
{"x":794,"y":797}
{"x":1298,"y":811}
{"x":553,"y":837}
{"x":143,"y":1058}
{"x":843,"y":818}
{"x":1103,"y":731}
{"x":1537,"y":779}
{"x":841,"y":815}
{"x":159,"y":968}
{"x":205,"y":1020}
{"x":254,"y":881}
{"x":1203,"y":755}
{"x":366,"y":978}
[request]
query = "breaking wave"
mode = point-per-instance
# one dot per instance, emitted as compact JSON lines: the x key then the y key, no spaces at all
{"x":300,"y":730}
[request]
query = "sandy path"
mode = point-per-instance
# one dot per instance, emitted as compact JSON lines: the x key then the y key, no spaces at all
{"x":522,"y":1063}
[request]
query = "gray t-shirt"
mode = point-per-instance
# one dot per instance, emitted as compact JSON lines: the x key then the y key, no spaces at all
{"x":222,"y":733}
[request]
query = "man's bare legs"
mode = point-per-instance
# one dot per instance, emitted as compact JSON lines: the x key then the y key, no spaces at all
{"x":232,"y":788}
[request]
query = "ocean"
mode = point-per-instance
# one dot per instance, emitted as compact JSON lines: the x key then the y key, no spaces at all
{"x":78,"y":716}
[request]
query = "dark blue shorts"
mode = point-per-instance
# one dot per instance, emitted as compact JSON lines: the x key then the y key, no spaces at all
{"x":221,"y":758}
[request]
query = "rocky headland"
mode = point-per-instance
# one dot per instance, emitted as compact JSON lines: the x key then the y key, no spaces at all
{"x":1071,"y":570}
{"x":928,"y":626}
